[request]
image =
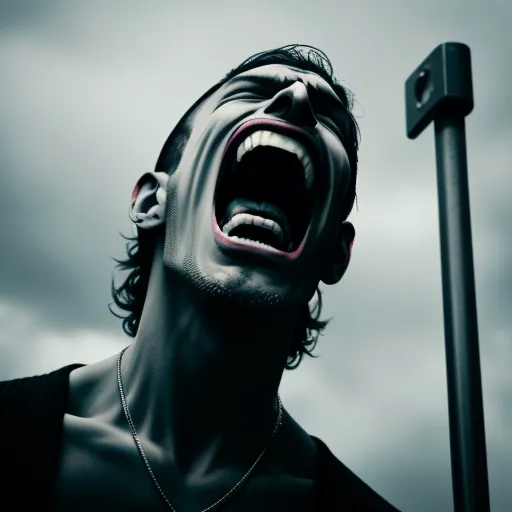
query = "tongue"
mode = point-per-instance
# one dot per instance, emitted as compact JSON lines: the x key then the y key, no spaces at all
{"x":263,"y":209}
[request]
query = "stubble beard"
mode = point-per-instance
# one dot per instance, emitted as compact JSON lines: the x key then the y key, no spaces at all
{"x":183,"y":262}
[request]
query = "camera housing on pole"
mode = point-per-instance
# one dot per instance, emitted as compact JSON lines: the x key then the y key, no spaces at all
{"x":441,"y":84}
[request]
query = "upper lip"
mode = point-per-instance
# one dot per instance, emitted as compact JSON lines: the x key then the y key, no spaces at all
{"x":299,"y":134}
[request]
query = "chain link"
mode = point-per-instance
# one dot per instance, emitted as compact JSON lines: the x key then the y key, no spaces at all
{"x":148,"y":466}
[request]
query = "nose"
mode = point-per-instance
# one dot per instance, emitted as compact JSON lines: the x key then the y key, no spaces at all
{"x":292,"y":105}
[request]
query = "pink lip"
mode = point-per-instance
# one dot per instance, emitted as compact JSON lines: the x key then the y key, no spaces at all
{"x":228,"y":243}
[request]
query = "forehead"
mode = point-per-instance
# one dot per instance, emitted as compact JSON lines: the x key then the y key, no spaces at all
{"x":282,"y":71}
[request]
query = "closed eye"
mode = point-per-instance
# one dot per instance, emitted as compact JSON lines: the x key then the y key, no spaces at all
{"x":258,"y":88}
{"x":240,"y":96}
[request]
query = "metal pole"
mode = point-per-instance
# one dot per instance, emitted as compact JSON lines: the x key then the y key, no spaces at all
{"x":441,"y":90}
{"x":465,"y":404}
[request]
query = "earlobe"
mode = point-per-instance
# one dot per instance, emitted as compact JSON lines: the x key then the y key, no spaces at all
{"x":341,"y":254}
{"x":149,"y":196}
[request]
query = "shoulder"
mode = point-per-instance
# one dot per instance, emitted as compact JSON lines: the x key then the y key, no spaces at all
{"x":33,"y":405}
{"x":18,"y":392}
{"x":338,"y":485}
{"x":31,"y":413}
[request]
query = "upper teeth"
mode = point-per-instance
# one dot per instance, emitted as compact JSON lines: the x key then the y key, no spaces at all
{"x":277,"y":140}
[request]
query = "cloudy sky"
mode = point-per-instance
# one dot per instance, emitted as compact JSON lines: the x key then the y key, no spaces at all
{"x":89,"y":92}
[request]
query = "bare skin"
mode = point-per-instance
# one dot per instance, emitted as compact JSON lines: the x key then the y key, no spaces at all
{"x":202,"y":376}
{"x":204,"y":417}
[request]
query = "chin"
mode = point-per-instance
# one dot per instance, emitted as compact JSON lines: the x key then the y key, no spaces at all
{"x":238,"y":284}
{"x":249,"y":285}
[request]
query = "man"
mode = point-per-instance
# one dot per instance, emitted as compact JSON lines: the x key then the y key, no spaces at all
{"x":242,"y":218}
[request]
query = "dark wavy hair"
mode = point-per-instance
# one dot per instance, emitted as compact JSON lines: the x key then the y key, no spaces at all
{"x":130,"y":295}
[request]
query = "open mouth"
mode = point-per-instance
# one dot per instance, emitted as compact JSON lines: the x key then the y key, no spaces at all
{"x":264,"y":195}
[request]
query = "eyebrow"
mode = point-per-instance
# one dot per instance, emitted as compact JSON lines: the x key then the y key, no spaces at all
{"x":276,"y":79}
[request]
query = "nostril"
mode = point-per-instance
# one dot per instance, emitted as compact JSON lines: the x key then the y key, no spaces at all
{"x":294,"y":108}
{"x":279,"y":105}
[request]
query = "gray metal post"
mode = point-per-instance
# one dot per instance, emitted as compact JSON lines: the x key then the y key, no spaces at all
{"x":441,"y":90}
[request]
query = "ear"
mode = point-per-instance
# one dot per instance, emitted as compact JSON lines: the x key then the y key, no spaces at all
{"x":341,"y":254}
{"x":147,"y":207}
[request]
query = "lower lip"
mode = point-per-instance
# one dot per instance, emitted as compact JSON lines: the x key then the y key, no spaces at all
{"x":228,"y":243}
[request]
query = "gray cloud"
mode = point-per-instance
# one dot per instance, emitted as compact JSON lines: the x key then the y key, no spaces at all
{"x":89,"y":93}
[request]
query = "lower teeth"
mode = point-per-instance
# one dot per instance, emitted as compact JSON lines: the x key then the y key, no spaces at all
{"x":252,"y":242}
{"x":257,"y":242}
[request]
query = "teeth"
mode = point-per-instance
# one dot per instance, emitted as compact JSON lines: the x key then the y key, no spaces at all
{"x":248,"y":219}
{"x":248,"y":241}
{"x":277,"y":140}
{"x":257,"y":209}
{"x":309,"y":174}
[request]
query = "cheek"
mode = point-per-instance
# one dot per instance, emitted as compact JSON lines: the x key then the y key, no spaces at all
{"x":233,"y":113}
{"x":340,"y":172}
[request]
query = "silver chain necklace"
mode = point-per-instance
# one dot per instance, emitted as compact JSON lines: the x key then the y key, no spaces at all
{"x":145,"y":459}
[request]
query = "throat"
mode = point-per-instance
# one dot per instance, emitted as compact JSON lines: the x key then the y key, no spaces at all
{"x":203,"y":370}
{"x":204,"y":398}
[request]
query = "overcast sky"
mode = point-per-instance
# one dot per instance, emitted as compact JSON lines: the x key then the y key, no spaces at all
{"x":89,"y":92}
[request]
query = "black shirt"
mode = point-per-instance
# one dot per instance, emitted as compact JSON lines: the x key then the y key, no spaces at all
{"x":31,"y":416}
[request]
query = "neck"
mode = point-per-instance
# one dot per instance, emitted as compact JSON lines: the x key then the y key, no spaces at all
{"x":203,"y":375}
